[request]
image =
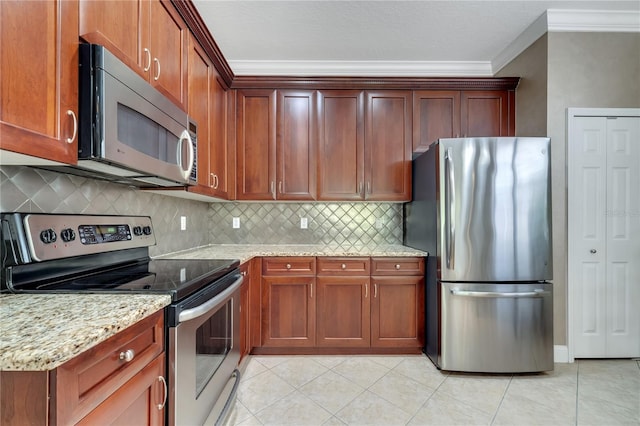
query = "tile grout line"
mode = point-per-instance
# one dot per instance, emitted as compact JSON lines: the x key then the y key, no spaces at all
{"x":577,"y":392}
{"x":493,"y":419}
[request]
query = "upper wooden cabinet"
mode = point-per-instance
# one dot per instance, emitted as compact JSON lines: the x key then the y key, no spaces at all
{"x":256,"y":144}
{"x":208,"y":107}
{"x":275,"y":145}
{"x":453,"y":114}
{"x":296,"y":145}
{"x":148,"y":35}
{"x":388,"y":146}
{"x":364,"y":145}
{"x":39,"y":79}
{"x":340,"y":144}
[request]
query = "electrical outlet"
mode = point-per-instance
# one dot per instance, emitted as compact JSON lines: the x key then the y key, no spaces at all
{"x":304,"y":224}
{"x":183,"y":223}
{"x":236,"y":223}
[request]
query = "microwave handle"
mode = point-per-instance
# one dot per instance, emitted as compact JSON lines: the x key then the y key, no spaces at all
{"x":185,"y":136}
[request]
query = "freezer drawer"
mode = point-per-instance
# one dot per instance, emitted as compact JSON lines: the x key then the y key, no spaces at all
{"x":496,"y":328}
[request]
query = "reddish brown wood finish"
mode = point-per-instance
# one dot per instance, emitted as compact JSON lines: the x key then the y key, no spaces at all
{"x":39,"y":78}
{"x":136,"y":402}
{"x":436,"y":114}
{"x":127,"y":28}
{"x":397,"y":311}
{"x":245,"y":310}
{"x":485,"y":113}
{"x":341,"y":145}
{"x":397,"y":266}
{"x":256,"y":144}
{"x":388,"y":146}
{"x":288,"y":311}
{"x":343,"y":311}
{"x":289,"y":265}
{"x":255,"y":302}
{"x":342,"y":266}
{"x":24,"y":398}
{"x":84,"y":382}
{"x":296,"y":145}
{"x":221,"y":163}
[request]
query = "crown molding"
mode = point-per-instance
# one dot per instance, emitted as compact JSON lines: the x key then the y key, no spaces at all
{"x":561,"y":20}
{"x":363,"y":68}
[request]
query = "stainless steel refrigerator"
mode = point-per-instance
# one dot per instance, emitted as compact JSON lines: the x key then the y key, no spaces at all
{"x":482,"y":209}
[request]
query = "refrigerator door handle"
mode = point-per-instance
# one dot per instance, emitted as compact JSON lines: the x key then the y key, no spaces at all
{"x":524,"y":294}
{"x":450,"y":201}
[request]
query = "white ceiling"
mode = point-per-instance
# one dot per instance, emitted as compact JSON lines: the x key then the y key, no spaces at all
{"x":395,"y":38}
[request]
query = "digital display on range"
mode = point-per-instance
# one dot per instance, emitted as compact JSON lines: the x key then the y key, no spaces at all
{"x":98,"y":234}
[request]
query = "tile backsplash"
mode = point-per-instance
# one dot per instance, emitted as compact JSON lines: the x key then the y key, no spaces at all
{"x":343,"y":224}
{"x":347,"y":224}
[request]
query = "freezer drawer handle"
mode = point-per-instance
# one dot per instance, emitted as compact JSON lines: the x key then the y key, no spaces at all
{"x":534,"y":293}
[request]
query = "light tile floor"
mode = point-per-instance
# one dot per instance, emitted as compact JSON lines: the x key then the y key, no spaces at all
{"x":409,"y":390}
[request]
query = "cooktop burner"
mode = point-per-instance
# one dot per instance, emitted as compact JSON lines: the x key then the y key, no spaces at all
{"x":177,"y":277}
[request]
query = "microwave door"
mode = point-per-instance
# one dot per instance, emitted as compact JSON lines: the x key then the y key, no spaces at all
{"x":138,"y":135}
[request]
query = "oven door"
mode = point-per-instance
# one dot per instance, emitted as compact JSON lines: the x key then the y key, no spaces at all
{"x":203,"y":355}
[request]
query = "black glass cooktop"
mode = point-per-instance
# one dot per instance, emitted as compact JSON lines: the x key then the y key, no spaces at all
{"x":177,"y":277}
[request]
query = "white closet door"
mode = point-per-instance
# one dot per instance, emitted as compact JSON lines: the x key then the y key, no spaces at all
{"x":604,"y":236}
{"x":587,"y":234}
{"x":623,"y":237}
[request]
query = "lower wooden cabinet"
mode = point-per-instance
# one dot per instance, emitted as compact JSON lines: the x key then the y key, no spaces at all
{"x":353,"y":303}
{"x":121,"y":380}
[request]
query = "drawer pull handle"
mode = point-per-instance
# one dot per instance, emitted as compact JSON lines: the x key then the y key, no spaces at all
{"x":166,"y":392}
{"x":127,"y":355}
{"x":288,"y":266}
{"x":343,"y":266}
{"x":397,"y":266}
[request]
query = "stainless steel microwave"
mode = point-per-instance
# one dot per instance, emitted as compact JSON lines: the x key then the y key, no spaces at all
{"x":128,"y":130}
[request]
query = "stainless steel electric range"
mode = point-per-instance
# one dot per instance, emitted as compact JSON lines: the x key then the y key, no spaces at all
{"x":64,"y":253}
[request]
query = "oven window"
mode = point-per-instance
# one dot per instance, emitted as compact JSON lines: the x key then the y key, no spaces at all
{"x":213,"y":343}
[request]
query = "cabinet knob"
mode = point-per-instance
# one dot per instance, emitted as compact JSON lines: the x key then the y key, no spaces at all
{"x":343,"y":266}
{"x":397,"y":266}
{"x":593,"y":251}
{"x":127,"y":355}
{"x":288,"y":266}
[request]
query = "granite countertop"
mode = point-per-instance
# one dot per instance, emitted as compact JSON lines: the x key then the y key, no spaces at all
{"x":246,"y":252}
{"x":39,"y":332}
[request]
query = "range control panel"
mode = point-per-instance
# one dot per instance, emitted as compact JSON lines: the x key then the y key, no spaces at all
{"x":59,"y":236}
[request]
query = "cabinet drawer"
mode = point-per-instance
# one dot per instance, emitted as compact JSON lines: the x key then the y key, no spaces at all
{"x":88,"y":379}
{"x":289,"y":265}
{"x":397,"y":266}
{"x":344,"y":266}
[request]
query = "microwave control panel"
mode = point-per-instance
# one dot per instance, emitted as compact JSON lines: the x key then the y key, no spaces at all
{"x":59,"y":236}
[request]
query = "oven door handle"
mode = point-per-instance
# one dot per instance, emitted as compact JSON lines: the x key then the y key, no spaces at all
{"x":189,"y":314}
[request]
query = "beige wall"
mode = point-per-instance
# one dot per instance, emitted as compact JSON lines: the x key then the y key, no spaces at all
{"x":587,"y":70}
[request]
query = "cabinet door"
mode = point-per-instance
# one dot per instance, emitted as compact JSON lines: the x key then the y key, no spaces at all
{"x":388,"y":146}
{"x":341,"y":145}
{"x":436,"y":114}
{"x":343,"y":312}
{"x":288,"y":311}
{"x":199,"y":109}
{"x":219,"y":156}
{"x":245,"y":311}
{"x":122,"y":27}
{"x":39,"y":79}
{"x":397,"y":311}
{"x":255,"y":132}
{"x":487,"y":113}
{"x":168,"y":44}
{"x":140,"y":401}
{"x":295,"y":145}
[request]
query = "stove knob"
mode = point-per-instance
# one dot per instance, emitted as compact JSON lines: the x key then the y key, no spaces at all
{"x":48,"y":236}
{"x":137,"y":230}
{"x":146,"y":230}
{"x":67,"y":235}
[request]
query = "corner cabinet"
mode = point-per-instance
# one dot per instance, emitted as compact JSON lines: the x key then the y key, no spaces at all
{"x":39,"y":98}
{"x":364,"y":145}
{"x":453,"y":114}
{"x":147,"y":35}
{"x":120,"y":380}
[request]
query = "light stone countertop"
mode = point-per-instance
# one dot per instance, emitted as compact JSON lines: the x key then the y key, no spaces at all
{"x":246,"y":252}
{"x":39,"y":332}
